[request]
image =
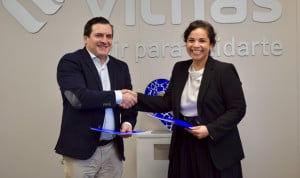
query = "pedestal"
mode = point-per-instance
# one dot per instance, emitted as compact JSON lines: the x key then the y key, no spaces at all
{"x":152,"y":154}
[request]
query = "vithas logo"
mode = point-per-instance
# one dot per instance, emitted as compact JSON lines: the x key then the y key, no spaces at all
{"x":24,"y":17}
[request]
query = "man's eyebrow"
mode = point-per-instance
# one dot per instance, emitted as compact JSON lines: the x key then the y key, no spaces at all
{"x":104,"y":34}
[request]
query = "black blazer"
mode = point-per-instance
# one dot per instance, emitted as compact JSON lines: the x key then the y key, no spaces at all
{"x":84,"y":103}
{"x":221,"y":106}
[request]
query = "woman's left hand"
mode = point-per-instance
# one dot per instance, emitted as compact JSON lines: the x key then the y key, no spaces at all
{"x":199,"y":131}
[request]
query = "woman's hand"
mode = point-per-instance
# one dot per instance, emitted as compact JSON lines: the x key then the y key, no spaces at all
{"x":199,"y":131}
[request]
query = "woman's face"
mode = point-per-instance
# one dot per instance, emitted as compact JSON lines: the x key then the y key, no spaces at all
{"x":198,"y":45}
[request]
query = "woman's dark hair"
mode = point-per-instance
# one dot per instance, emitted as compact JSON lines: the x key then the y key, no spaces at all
{"x":204,"y":25}
{"x":88,"y":26}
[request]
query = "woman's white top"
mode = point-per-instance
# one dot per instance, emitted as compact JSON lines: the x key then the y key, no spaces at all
{"x":190,"y":92}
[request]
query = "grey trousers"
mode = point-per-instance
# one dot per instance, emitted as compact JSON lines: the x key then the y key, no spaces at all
{"x":104,"y":163}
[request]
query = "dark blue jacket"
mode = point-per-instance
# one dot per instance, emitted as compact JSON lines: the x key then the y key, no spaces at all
{"x":84,"y":103}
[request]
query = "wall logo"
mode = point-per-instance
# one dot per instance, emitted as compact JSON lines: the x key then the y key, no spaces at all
{"x":24,"y":17}
{"x":221,"y":11}
{"x":270,"y":11}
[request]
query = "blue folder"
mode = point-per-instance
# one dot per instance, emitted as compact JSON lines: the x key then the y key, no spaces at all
{"x":171,"y":120}
{"x":116,"y":132}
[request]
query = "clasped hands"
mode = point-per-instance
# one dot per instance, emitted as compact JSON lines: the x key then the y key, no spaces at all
{"x":129,"y":98}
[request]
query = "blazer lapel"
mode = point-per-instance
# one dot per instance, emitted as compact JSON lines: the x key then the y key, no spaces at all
{"x":112,"y":70}
{"x":87,"y":59}
{"x":180,"y":84}
{"x":207,"y":76}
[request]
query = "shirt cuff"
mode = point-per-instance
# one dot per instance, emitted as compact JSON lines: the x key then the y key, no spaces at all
{"x":128,"y":123}
{"x":118,"y":94}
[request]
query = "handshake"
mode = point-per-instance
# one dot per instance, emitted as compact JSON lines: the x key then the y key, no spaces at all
{"x":129,"y":99}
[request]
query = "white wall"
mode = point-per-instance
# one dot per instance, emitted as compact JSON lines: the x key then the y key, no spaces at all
{"x":31,"y":105}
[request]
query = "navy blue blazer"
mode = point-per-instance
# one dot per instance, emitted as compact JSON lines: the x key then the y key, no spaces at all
{"x":221,"y":106}
{"x":84,"y":103}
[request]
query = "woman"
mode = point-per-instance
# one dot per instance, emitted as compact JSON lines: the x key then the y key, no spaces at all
{"x":207,"y":93}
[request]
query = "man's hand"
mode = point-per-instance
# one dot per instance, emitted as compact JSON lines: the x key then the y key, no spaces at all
{"x":129,"y":98}
{"x":125,"y":128}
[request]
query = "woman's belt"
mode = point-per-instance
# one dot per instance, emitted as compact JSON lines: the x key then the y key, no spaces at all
{"x":194,"y":120}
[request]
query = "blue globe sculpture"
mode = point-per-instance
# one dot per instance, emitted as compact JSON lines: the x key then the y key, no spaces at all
{"x":157,"y":88}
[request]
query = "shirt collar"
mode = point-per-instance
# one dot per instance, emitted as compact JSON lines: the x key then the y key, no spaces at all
{"x":95,"y":57}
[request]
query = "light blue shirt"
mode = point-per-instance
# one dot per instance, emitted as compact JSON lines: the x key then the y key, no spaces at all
{"x":109,"y":120}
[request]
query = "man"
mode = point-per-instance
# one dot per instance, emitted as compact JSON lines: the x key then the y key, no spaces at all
{"x":91,"y":84}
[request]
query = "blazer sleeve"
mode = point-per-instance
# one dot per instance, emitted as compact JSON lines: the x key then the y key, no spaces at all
{"x":163,"y":103}
{"x":79,"y":85}
{"x":171,"y":99}
{"x":231,"y":107}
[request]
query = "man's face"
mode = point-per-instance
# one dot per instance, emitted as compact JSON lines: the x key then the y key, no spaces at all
{"x":100,"y":40}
